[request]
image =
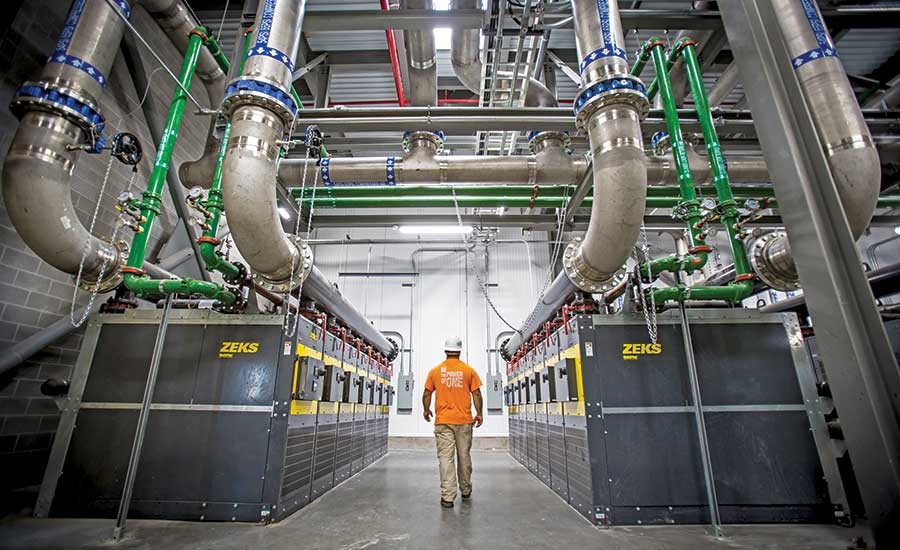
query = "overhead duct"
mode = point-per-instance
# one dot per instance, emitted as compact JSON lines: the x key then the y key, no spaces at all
{"x":177,"y":22}
{"x":421,"y":60}
{"x":851,"y":153}
{"x":260,"y":107}
{"x":59,"y":117}
{"x":465,"y":56}
{"x":609,"y":108}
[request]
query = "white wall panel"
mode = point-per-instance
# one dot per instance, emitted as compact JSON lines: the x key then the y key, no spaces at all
{"x":445,"y":300}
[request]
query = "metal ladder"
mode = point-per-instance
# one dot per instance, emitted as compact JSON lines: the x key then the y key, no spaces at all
{"x":510,"y":55}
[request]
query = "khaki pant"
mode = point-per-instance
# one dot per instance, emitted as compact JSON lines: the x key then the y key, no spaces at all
{"x":454,"y":440}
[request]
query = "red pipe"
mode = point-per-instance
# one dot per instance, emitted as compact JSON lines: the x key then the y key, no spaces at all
{"x":395,"y":59}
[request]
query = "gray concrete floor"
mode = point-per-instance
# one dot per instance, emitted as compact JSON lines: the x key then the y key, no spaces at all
{"x":394,"y":504}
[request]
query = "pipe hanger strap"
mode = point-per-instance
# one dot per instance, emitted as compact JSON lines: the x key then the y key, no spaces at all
{"x":820,"y":31}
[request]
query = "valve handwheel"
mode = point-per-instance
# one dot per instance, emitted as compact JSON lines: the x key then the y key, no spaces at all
{"x":126,"y":147}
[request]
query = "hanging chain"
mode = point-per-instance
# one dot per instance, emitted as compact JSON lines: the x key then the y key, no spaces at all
{"x":290,"y":328}
{"x":87,"y":248}
{"x":649,"y":312}
{"x":481,"y":283}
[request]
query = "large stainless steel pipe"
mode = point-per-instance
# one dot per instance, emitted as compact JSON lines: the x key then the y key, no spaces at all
{"x":549,"y":164}
{"x":260,"y":108}
{"x":59,"y":112}
{"x":328,"y":297}
{"x":841,"y":126}
{"x":177,"y":22}
{"x":726,"y":84}
{"x":609,"y":109}
{"x":465,"y":56}
{"x":421,"y":60}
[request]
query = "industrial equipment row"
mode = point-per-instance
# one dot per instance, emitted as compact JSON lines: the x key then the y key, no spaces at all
{"x":609,"y":422}
{"x":248,"y":422}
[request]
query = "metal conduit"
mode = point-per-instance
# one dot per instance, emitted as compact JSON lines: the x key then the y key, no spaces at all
{"x":38,"y":168}
{"x":611,"y":117}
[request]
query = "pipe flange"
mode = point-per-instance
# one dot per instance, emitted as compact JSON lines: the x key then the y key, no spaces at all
{"x":620,"y":90}
{"x":262,"y":93}
{"x":579,"y":273}
{"x":113,"y":274}
{"x":63,"y":101}
{"x":301,"y":270}
{"x":537,"y":141}
{"x":783,"y":279}
{"x":436,"y":139}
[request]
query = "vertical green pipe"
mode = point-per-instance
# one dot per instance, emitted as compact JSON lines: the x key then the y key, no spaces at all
{"x":214,"y":203}
{"x":727,"y":204}
{"x":151,"y":203}
{"x":689,"y":205}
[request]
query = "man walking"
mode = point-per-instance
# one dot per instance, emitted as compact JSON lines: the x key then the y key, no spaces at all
{"x":457,"y":386}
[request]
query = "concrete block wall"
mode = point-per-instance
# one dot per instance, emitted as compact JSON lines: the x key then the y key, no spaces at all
{"x":32,"y":293}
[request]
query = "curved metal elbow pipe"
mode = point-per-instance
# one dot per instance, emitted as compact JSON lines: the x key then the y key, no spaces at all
{"x":465,"y":57}
{"x":421,"y":56}
{"x":177,"y":22}
{"x":260,"y":107}
{"x":851,"y":152}
{"x":38,"y":168}
{"x":611,"y":117}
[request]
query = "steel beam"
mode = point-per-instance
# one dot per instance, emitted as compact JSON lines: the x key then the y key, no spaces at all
{"x":376,"y":20}
{"x":861,"y":367}
{"x":466,"y":120}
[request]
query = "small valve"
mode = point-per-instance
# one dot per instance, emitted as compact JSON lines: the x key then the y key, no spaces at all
{"x":130,"y":213}
{"x":126,"y":147}
{"x":196,"y":197}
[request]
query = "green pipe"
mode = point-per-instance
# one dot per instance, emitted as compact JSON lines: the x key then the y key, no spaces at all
{"x":732,"y":292}
{"x":742,"y":286}
{"x":653,"y":89}
{"x":727,"y":205}
{"x":212,"y":258}
{"x":213,"y":46}
{"x":151,"y":203}
{"x":689,"y":206}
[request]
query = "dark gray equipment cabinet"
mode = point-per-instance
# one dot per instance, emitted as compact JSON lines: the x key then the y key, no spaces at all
{"x":350,"y":387}
{"x":769,"y":447}
{"x":223,"y":442}
{"x":333,"y":387}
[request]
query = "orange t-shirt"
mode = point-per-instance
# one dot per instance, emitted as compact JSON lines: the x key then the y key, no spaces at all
{"x":453,"y":383}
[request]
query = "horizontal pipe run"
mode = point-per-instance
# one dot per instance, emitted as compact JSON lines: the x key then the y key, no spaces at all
{"x":466,"y":120}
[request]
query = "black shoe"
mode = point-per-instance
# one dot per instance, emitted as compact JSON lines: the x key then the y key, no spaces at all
{"x":446,"y":504}
{"x":467,"y":496}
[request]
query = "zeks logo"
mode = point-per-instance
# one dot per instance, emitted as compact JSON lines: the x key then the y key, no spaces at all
{"x":229,"y":349}
{"x":631,"y":352}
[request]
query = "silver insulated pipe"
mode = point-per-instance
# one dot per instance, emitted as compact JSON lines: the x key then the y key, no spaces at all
{"x":421,"y":60}
{"x":59,"y":114}
{"x":177,"y":22}
{"x":842,"y":130}
{"x":260,"y":107}
{"x":609,"y":108}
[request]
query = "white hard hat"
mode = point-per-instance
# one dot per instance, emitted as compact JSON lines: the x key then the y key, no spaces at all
{"x":454,"y":343}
